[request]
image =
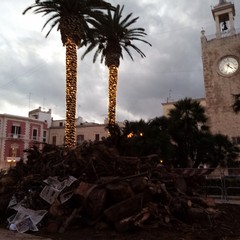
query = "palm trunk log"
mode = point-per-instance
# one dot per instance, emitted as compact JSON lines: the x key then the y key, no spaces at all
{"x":71,"y":91}
{"x":112,"y":94}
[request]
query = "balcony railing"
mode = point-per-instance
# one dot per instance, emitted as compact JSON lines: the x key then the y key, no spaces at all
{"x":35,"y":138}
{"x":222,"y":34}
{"x":16,"y":136}
{"x":23,"y":137}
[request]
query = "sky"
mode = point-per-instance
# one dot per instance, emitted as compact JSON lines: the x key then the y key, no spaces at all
{"x":32,"y":69}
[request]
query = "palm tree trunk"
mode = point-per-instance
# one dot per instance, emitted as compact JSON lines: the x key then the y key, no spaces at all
{"x":112,"y":94}
{"x":71,"y":91}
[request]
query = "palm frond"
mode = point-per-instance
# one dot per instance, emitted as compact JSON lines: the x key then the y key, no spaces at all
{"x":118,"y":33}
{"x":236,"y":105}
{"x":84,"y":9}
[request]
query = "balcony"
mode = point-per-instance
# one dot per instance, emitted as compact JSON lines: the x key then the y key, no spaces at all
{"x":35,"y":139}
{"x":15,"y":136}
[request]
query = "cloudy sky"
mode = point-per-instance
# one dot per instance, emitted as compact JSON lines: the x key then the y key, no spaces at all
{"x":32,"y":70}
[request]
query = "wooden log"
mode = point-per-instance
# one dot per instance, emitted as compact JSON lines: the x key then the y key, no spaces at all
{"x":118,"y":192}
{"x":167,"y":219}
{"x":55,"y":210}
{"x":52,"y":226}
{"x":118,"y":179}
{"x":128,"y":207}
{"x":203,"y":202}
{"x":168,"y":197}
{"x":197,"y":215}
{"x":93,"y":198}
{"x":69,"y":219}
{"x":199,"y":201}
{"x":6,"y":182}
{"x":180,"y":184}
{"x":138,"y":184}
{"x":128,"y":165}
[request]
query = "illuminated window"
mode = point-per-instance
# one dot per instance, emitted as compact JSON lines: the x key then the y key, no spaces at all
{"x":14,"y":151}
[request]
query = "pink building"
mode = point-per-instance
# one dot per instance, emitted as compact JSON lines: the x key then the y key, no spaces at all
{"x":18,"y":133}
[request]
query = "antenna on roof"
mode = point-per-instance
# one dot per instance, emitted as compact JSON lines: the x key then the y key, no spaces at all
{"x":169,"y":95}
{"x":43,"y":103}
{"x":29,"y":101}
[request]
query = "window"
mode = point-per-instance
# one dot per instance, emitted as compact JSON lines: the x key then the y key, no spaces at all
{"x":14,"y":151}
{"x":54,"y":140}
{"x":34,"y":135}
{"x":13,"y":155}
{"x":60,"y":124}
{"x":80,"y":138}
{"x":44,"y":136}
{"x":97,"y":137}
{"x":16,"y":131}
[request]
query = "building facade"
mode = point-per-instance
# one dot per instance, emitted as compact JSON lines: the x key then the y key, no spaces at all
{"x":221,"y":63}
{"x":44,"y":116}
{"x":84,"y":132}
{"x":19,"y":133}
{"x":16,"y":134}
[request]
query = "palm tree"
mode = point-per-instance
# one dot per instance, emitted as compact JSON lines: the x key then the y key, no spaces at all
{"x":72,"y":18}
{"x":186,"y":121}
{"x":236,"y":105}
{"x":112,"y":35}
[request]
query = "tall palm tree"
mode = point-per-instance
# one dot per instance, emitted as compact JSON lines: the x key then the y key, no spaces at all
{"x":71,"y":17}
{"x":112,"y":35}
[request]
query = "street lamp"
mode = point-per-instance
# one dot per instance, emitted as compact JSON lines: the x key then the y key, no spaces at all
{"x":11,"y":161}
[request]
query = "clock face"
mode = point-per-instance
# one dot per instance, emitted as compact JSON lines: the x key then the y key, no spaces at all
{"x":228,"y":65}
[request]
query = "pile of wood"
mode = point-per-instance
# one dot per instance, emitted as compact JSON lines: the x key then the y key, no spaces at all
{"x":119,"y":191}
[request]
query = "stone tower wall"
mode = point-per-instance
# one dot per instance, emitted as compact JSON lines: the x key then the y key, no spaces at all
{"x":219,"y":89}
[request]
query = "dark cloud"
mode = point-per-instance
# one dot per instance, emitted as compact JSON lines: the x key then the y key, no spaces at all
{"x":33,"y":68}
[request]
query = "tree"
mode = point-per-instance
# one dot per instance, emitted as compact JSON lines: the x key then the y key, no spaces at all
{"x":112,"y":35}
{"x":141,"y":138}
{"x":195,"y":143}
{"x":159,"y":139}
{"x":182,"y":139}
{"x":72,"y":18}
{"x":186,"y":120}
{"x":236,"y":105}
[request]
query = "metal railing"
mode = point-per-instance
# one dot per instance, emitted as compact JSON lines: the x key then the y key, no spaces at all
{"x":227,"y":187}
{"x":222,"y":34}
{"x":15,"y":136}
{"x":223,"y":183}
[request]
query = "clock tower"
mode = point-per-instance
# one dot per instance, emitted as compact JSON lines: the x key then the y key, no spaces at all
{"x":221,"y":69}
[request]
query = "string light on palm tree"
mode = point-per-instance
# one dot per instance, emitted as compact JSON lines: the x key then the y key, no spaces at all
{"x":112,"y":94}
{"x":72,"y":18}
{"x":113,"y":34}
{"x":71,"y":92}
